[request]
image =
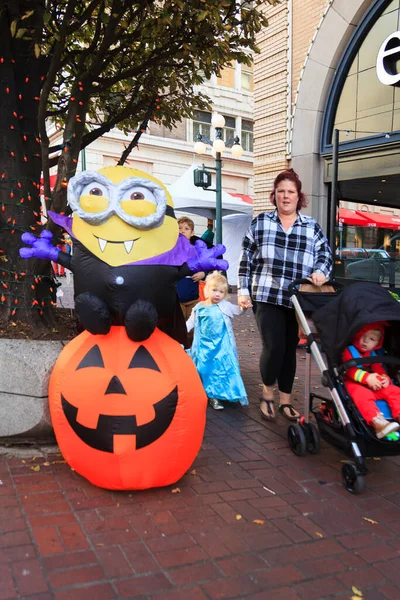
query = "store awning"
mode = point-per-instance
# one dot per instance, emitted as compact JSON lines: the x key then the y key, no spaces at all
{"x":382,"y":221}
{"x":352,"y":217}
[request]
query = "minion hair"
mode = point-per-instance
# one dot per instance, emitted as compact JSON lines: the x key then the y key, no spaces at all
{"x":217,"y":278}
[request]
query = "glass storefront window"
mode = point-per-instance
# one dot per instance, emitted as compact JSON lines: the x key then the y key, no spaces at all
{"x":366,"y":105}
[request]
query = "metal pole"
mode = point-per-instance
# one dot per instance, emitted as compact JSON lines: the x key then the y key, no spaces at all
{"x":218,"y":203}
{"x":83,"y":152}
{"x":332,"y":214}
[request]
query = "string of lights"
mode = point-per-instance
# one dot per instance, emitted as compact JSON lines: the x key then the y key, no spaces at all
{"x":22,"y":290}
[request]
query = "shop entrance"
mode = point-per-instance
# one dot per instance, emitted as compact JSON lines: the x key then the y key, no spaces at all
{"x":367,"y":241}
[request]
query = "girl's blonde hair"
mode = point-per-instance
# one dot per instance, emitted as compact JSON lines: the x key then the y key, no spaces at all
{"x":216,"y":278}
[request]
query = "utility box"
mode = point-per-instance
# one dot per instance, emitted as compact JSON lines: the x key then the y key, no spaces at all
{"x":202,"y":178}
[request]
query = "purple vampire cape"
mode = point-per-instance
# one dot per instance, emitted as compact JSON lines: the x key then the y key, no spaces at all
{"x":153,"y":280}
{"x":179,"y":254}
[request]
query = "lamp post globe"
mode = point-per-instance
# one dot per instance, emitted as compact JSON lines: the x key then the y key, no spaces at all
{"x":217,"y":147}
{"x":217,"y":121}
{"x":200,"y":147}
{"x":237,"y":150}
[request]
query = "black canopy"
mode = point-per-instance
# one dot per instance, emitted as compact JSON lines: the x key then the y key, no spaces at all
{"x":357,"y":305}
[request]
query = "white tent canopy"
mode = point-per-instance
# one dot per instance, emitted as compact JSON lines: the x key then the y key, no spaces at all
{"x":234,"y":228}
{"x":189,"y":198}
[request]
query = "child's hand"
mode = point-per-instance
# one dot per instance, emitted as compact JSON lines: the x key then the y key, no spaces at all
{"x":385,"y":380}
{"x":374,"y":381}
{"x":244,"y":302}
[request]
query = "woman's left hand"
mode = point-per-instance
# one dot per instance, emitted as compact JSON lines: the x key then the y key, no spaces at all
{"x":318,"y":279}
{"x":198,"y":276}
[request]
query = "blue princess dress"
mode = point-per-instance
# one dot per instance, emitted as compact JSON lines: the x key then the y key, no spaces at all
{"x":214,"y":351}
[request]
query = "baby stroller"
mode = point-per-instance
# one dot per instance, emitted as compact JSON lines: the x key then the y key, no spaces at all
{"x":335,"y":317}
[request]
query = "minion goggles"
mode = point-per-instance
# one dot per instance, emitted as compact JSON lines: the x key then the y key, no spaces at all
{"x":115,"y":194}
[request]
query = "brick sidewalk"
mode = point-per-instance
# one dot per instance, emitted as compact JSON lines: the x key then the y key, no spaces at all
{"x":251,"y":521}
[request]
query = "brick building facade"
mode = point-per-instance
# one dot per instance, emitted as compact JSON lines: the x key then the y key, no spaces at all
{"x":284,"y":45}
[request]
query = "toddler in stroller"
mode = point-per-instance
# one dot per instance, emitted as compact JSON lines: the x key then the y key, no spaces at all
{"x":370,"y":384}
{"x":345,"y":420}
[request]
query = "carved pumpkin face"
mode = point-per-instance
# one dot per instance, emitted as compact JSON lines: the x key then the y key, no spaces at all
{"x":127,"y":415}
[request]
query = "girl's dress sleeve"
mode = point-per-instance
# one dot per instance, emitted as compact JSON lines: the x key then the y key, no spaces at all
{"x":229,"y":309}
{"x":191,"y":320}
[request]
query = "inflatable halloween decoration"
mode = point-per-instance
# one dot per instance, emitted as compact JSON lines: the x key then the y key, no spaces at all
{"x":127,"y":415}
{"x":127,"y":253}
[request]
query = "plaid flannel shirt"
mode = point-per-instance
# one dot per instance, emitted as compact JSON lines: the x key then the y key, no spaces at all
{"x":272,"y":258}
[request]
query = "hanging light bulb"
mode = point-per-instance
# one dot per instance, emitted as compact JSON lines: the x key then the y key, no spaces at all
{"x":199,"y":147}
{"x":217,"y":121}
{"x":219,"y":145}
{"x":237,"y":150}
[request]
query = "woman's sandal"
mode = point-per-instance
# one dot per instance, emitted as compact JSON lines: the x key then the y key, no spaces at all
{"x":270,"y":410}
{"x":288,"y":411}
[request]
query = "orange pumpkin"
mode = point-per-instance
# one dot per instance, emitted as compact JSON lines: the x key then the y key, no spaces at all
{"x":127,"y":415}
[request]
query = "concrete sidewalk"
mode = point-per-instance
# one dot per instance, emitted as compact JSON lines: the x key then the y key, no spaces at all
{"x":250,"y":520}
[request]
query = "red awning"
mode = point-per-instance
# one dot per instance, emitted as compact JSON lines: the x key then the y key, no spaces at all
{"x":243,"y":197}
{"x":382,"y":221}
{"x":352,"y":217}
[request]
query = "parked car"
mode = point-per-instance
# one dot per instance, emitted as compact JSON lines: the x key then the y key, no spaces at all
{"x":364,"y":264}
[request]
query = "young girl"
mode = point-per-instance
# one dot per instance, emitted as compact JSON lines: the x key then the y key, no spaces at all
{"x":214,"y":350}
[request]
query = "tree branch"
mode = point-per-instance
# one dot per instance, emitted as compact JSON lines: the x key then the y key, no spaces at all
{"x":138,"y":134}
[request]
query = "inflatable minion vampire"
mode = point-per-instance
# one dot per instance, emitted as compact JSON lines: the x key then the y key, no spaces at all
{"x":127,"y":253}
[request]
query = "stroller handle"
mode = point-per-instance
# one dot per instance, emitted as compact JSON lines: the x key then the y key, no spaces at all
{"x":294,"y":285}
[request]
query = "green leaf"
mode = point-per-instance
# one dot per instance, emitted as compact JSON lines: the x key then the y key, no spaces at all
{"x":13,"y":28}
{"x":37,"y":50}
{"x":201,"y":16}
{"x":46,"y":18}
{"x":28,"y":14}
{"x":20,"y":33}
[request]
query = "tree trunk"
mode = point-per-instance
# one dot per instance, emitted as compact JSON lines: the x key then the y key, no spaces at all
{"x":22,"y":296}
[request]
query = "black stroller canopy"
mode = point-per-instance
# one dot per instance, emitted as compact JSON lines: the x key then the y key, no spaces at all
{"x":357,"y":305}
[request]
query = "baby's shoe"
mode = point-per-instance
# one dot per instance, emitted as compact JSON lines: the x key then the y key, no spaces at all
{"x":216,"y":404}
{"x":393,"y":437}
{"x":383,"y":427}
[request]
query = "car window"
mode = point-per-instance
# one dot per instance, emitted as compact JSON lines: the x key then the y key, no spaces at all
{"x":378,"y":253}
{"x":353,"y":253}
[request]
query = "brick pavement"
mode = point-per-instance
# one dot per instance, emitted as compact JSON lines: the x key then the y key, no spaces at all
{"x":251,"y":520}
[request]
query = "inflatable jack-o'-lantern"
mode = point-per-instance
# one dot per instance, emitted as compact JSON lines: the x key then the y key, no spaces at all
{"x":127,"y":415}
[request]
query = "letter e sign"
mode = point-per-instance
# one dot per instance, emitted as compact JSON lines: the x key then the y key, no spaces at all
{"x":387,"y":59}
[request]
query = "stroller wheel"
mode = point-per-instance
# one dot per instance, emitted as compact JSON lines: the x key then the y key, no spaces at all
{"x":297,"y":440}
{"x":352,"y":481}
{"x":313,"y":439}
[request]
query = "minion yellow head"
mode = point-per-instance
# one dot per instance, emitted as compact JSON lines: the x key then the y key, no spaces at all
{"x":122,"y":215}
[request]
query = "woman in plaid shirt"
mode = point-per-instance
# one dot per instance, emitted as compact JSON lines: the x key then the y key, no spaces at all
{"x":279,"y":247}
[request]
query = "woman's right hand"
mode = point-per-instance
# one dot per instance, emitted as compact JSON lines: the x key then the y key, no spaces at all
{"x":244,"y":301}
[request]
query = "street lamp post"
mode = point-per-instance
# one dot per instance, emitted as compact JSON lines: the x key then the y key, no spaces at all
{"x":218,"y":146}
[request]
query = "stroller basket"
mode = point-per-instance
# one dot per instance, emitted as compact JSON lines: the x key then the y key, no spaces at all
{"x":311,"y":297}
{"x":310,"y":302}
